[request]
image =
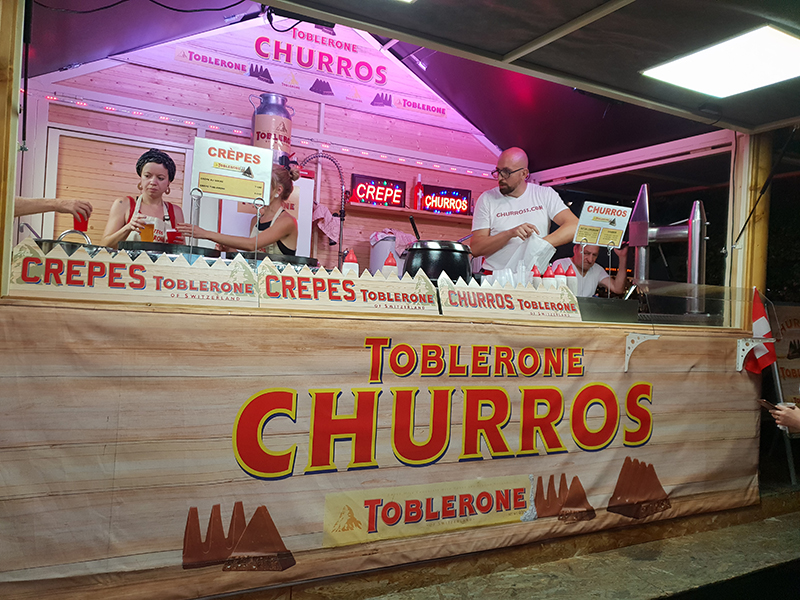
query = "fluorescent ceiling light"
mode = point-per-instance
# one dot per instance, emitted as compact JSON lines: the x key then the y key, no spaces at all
{"x":752,"y":60}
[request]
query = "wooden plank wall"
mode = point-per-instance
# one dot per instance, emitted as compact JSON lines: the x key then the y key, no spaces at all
{"x":180,"y":92}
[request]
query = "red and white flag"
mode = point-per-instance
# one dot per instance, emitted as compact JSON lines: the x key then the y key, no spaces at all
{"x":763,"y":355}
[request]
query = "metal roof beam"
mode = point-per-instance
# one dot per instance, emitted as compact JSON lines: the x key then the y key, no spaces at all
{"x":567,"y":28}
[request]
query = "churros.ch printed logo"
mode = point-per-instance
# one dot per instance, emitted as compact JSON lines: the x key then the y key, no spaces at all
{"x":522,"y":211}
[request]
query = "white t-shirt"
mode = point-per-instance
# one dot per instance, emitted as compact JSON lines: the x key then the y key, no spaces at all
{"x":587,"y":284}
{"x":494,"y":211}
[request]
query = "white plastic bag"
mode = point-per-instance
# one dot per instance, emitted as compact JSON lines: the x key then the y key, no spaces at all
{"x":533,"y":251}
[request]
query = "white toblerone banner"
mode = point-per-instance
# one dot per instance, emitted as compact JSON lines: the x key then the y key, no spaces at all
{"x":492,"y":301}
{"x":115,"y":276}
{"x":333,"y":291}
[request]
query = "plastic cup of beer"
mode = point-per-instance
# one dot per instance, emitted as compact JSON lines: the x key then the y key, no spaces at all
{"x":146,"y":233}
{"x":79,"y":223}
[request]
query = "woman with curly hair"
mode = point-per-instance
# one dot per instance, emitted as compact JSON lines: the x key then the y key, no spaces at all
{"x":129,"y":215}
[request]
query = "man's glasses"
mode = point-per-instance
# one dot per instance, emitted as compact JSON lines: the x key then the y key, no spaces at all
{"x":504,"y":173}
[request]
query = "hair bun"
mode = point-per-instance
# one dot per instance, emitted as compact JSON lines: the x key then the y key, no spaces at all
{"x":294,"y":172}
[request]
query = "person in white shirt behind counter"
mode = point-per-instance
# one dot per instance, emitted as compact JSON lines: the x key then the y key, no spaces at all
{"x":509,"y":214}
{"x":590,"y":274}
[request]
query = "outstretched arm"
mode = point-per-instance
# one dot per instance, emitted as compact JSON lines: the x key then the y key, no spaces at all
{"x":620,"y":281}
{"x":282,"y":228}
{"x":567,"y":223}
{"x":32,"y":206}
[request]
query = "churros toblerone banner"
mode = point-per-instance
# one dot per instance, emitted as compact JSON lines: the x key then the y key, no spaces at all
{"x":164,"y":453}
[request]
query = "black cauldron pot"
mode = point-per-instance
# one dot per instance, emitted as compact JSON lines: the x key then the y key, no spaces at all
{"x":435,"y":256}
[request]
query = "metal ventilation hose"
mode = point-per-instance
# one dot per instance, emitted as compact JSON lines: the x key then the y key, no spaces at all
{"x":303,"y":163}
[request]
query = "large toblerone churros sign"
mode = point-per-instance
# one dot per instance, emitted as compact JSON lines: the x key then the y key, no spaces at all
{"x":188,"y":448}
{"x":189,"y":454}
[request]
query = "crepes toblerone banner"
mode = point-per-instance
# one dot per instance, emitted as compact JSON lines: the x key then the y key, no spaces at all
{"x":296,"y":447}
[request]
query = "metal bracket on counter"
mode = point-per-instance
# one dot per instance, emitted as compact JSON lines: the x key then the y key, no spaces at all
{"x":744,"y":345}
{"x":632,"y":342}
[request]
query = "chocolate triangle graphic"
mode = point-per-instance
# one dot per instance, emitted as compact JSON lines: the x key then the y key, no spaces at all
{"x":261,"y":73}
{"x":321,"y":87}
{"x":261,"y":547}
{"x":216,"y":548}
{"x":638,"y":493}
{"x":381,"y":99}
{"x":576,"y":506}
{"x":550,"y":506}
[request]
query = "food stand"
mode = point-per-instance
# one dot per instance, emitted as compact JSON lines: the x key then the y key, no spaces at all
{"x":169,"y":423}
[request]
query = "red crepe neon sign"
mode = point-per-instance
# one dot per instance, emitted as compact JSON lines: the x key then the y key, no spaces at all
{"x":374,"y":190}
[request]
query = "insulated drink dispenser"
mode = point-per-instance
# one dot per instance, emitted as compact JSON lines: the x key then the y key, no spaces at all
{"x":272,"y":125}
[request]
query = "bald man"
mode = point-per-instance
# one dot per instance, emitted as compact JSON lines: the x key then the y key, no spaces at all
{"x":509,"y":214}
